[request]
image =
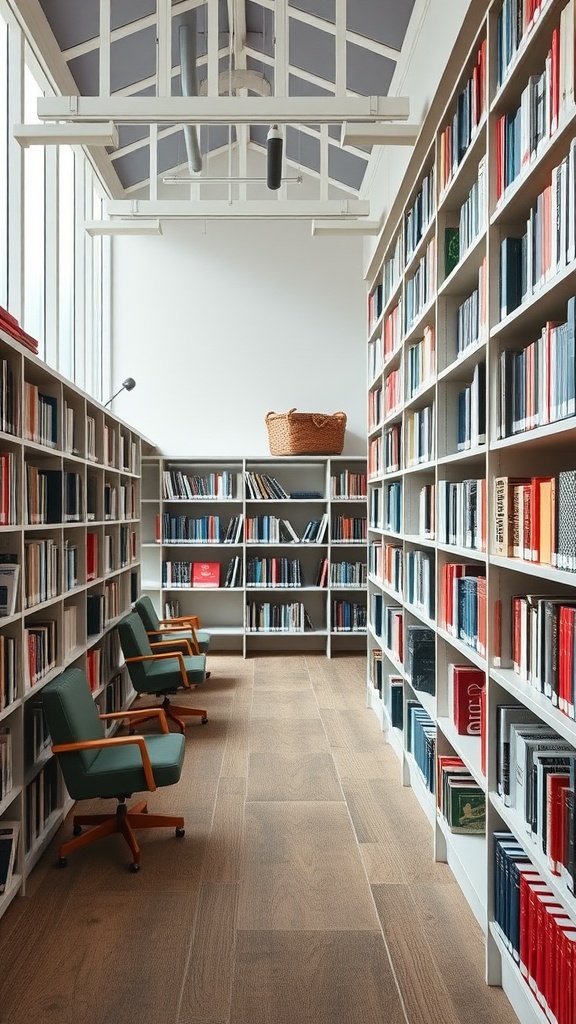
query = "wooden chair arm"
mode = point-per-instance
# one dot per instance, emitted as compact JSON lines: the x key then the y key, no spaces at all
{"x":140,"y":713}
{"x":152,"y":657}
{"x":114,"y":741}
{"x":172,"y":643}
{"x":193,"y":619}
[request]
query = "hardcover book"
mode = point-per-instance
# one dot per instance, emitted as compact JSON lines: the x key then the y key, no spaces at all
{"x":206,"y":574}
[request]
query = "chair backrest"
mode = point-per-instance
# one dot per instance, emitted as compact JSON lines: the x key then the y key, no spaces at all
{"x":72,"y":716}
{"x":135,"y":643}
{"x":147,"y":613}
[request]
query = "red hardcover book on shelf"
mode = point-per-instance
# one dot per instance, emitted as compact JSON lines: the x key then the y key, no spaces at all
{"x":206,"y":574}
{"x":10,"y":325}
{"x":556,"y":783}
{"x":466,"y":682}
{"x":528,"y":878}
{"x":483,"y":730}
{"x":91,"y":556}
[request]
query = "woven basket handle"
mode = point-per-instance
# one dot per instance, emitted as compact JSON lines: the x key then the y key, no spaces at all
{"x":321,"y":421}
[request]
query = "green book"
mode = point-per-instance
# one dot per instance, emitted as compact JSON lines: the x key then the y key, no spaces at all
{"x":451,"y":249}
{"x":466,"y":809}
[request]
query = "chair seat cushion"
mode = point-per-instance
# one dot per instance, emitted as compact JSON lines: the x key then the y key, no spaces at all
{"x":118,"y":771}
{"x":164,"y":674}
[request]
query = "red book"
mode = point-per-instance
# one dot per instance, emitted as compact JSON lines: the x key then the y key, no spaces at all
{"x":556,"y":783}
{"x":528,"y":878}
{"x":91,"y":556}
{"x":206,"y":574}
{"x":483,"y":731}
{"x":467,"y":683}
{"x":10,"y":324}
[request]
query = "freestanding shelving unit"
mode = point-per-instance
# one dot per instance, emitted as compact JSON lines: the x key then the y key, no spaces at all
{"x":288,"y":592}
{"x":69,"y":519}
{"x":471,"y":380}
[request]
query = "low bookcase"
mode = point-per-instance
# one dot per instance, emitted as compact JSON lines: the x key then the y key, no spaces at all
{"x":287,"y":540}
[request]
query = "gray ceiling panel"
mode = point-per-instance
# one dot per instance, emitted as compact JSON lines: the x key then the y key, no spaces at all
{"x":133,"y":166}
{"x":124,"y":12}
{"x":132,"y":58}
{"x":346,"y":167}
{"x":258,"y":133}
{"x":312,"y":50}
{"x":385,"y":21}
{"x":260,"y":28}
{"x":299,"y":87}
{"x":215,"y":136}
{"x":366,"y":72}
{"x":321,"y":8}
{"x":85,"y":72}
{"x":129,"y":133}
{"x":72,"y":27}
{"x":265,"y":69}
{"x":302,"y":149}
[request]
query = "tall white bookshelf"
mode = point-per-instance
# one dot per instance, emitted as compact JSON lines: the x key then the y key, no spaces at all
{"x":278,"y":598}
{"x":445,"y":423}
{"x":70,"y":520}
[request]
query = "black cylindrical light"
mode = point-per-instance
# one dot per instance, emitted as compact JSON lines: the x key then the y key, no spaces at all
{"x":274,"y":145}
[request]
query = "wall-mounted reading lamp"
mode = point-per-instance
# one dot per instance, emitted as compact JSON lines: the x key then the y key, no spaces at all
{"x":127,"y":385}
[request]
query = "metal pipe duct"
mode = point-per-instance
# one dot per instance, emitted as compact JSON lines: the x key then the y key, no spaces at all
{"x":189,"y":83}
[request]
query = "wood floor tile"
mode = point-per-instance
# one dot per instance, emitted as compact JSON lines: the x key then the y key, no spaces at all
{"x":224,"y":845}
{"x":313,"y":978}
{"x":358,"y":730}
{"x":290,"y":704}
{"x":284,"y":736}
{"x":301,"y":869}
{"x":371,"y":764}
{"x":307,"y":776}
{"x":105,"y":959}
{"x":207,"y":987}
{"x":424,"y":991}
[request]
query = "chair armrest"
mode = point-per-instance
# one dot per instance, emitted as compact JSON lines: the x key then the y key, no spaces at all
{"x":154,"y":657}
{"x":114,"y":741}
{"x":192,"y":619}
{"x":172,"y":643}
{"x":140,"y":713}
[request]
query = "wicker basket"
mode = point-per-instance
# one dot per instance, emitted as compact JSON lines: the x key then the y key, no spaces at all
{"x":305,"y":433}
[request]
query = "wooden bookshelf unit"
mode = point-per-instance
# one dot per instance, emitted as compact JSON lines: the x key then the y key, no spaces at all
{"x":472,"y":479}
{"x":287,"y":538}
{"x":69,"y":522}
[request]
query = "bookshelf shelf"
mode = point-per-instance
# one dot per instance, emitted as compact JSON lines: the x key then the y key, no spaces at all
{"x":292,"y":513}
{"x":501,"y":218}
{"x":69,"y":471}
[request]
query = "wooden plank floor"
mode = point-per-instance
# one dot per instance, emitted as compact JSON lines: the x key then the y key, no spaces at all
{"x":304,"y":891}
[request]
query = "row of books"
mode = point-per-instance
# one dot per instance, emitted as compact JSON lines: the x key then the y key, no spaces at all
{"x":102,"y":608}
{"x":421,"y":741}
{"x":375,"y":407}
{"x":420,"y":287}
{"x":40,"y":653}
{"x":273,"y":572}
{"x":534,"y":519}
{"x":535,"y":929}
{"x":393,"y":396}
{"x":174,"y":529}
{"x":471,"y":422}
{"x":463,"y":603}
{"x":462,"y":513}
{"x":37,"y":735}
{"x":349,"y":529}
{"x":392,"y":507}
{"x":419,"y":583}
{"x":261,"y":485}
{"x":537,"y":384}
{"x":179,"y":486}
{"x":6,"y":774}
{"x":266,"y":617}
{"x":348,"y":484}
{"x":9,"y":400}
{"x":10,"y":674}
{"x":542,"y":646}
{"x":455,"y":139}
{"x":386,"y":562}
{"x":471,"y":315}
{"x":514,"y":21}
{"x":418,"y":217}
{"x":392,"y":448}
{"x":420,"y":362}
{"x":52,"y":496}
{"x":41,"y":570}
{"x":392,"y":332}
{"x":40,"y":416}
{"x":419,"y":436}
{"x":471,"y":222}
{"x":103,"y":660}
{"x":177,"y":574}
{"x":348,"y":616}
{"x":461,"y":801}
{"x":9,"y":504}
{"x":41,"y":802}
{"x":387,"y":623}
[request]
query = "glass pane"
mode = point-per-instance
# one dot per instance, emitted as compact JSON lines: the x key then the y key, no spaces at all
{"x":66,"y":269}
{"x":34,"y":229}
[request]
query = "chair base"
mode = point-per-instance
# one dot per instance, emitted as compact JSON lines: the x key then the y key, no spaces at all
{"x":124,"y":821}
{"x":176,"y":712}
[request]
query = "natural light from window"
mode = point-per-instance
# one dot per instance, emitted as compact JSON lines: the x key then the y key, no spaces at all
{"x":34,"y":223}
{"x":3,"y":165}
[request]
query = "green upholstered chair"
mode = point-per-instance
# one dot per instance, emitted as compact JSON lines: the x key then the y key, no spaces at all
{"x":160,"y":672}
{"x":183,"y":627}
{"x":95,"y":765}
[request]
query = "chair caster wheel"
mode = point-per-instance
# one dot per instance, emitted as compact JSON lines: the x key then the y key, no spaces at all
{"x":63,"y":862}
{"x":77,"y":830}
{"x":180,"y":832}
{"x":134,"y":867}
{"x":203,"y":720}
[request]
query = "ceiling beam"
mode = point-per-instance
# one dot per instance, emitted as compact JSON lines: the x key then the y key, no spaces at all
{"x":327,"y":26}
{"x":379,"y":134}
{"x":223,"y":109}
{"x":94,"y":134}
{"x":137,"y":226}
{"x":346,"y":227}
{"x":223,"y":209}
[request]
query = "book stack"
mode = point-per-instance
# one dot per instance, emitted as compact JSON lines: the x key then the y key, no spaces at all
{"x":348,"y":616}
{"x":462,"y":513}
{"x":421,"y":742}
{"x":348,"y":574}
{"x":421,"y":361}
{"x":458,"y":134}
{"x":463,"y":603}
{"x":461,"y":801}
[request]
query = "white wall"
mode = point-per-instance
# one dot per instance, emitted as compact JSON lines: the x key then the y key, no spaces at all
{"x":221,"y":322}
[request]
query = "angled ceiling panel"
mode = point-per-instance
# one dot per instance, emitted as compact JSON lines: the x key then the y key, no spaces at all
{"x":302,"y":149}
{"x":324,"y":9}
{"x":260,"y":28}
{"x":385,"y":21}
{"x":299,"y":87}
{"x":75,"y":25}
{"x":85,"y":72}
{"x":133,"y":167}
{"x":130,"y":133}
{"x":368,"y":73}
{"x":124,"y":12}
{"x":264,"y":69}
{"x":312,"y":50}
{"x":132,"y":58}
{"x":346,"y":167}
